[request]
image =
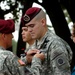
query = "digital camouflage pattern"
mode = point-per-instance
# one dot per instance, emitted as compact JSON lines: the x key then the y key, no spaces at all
{"x":9,"y":64}
{"x":58,"y":56}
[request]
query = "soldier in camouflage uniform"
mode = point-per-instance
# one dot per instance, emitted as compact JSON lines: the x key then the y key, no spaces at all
{"x":9,"y":63}
{"x":26,"y":37}
{"x":50,"y":55}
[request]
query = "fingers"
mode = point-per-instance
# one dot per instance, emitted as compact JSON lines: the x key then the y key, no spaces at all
{"x":34,"y":53}
{"x":31,"y":52}
{"x":40,"y":55}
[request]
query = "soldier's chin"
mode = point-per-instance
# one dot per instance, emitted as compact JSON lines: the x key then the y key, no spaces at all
{"x":33,"y":37}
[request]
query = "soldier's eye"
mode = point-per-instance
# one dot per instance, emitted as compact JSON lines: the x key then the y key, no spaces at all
{"x":32,"y":25}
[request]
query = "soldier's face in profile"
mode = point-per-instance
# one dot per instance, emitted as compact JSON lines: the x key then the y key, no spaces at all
{"x":35,"y":27}
{"x":26,"y":36}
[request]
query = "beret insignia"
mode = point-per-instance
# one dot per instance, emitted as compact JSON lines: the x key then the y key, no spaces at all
{"x":26,"y":18}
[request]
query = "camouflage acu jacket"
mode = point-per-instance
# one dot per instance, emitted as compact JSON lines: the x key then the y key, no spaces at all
{"x":9,"y":64}
{"x":58,"y":56}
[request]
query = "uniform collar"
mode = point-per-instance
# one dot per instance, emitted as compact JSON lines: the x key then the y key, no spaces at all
{"x":2,"y":48}
{"x":43,"y":38}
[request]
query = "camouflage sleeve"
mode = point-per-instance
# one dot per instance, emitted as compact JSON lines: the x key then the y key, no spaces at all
{"x":59,"y":59}
{"x":14,"y":67}
{"x":36,"y":66}
{"x":24,"y":59}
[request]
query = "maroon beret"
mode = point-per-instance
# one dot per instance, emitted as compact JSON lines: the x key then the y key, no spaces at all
{"x":7,"y":26}
{"x":30,"y":14}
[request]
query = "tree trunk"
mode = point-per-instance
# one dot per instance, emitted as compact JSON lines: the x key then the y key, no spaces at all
{"x":21,"y":46}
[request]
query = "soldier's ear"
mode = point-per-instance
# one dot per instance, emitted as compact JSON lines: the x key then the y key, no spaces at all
{"x":43,"y":21}
{"x":3,"y":36}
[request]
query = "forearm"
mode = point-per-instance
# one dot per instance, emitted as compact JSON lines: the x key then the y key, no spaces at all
{"x":36,"y":66}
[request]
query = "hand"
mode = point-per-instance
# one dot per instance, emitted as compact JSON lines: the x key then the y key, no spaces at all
{"x":30,"y":54}
{"x":40,"y":55}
